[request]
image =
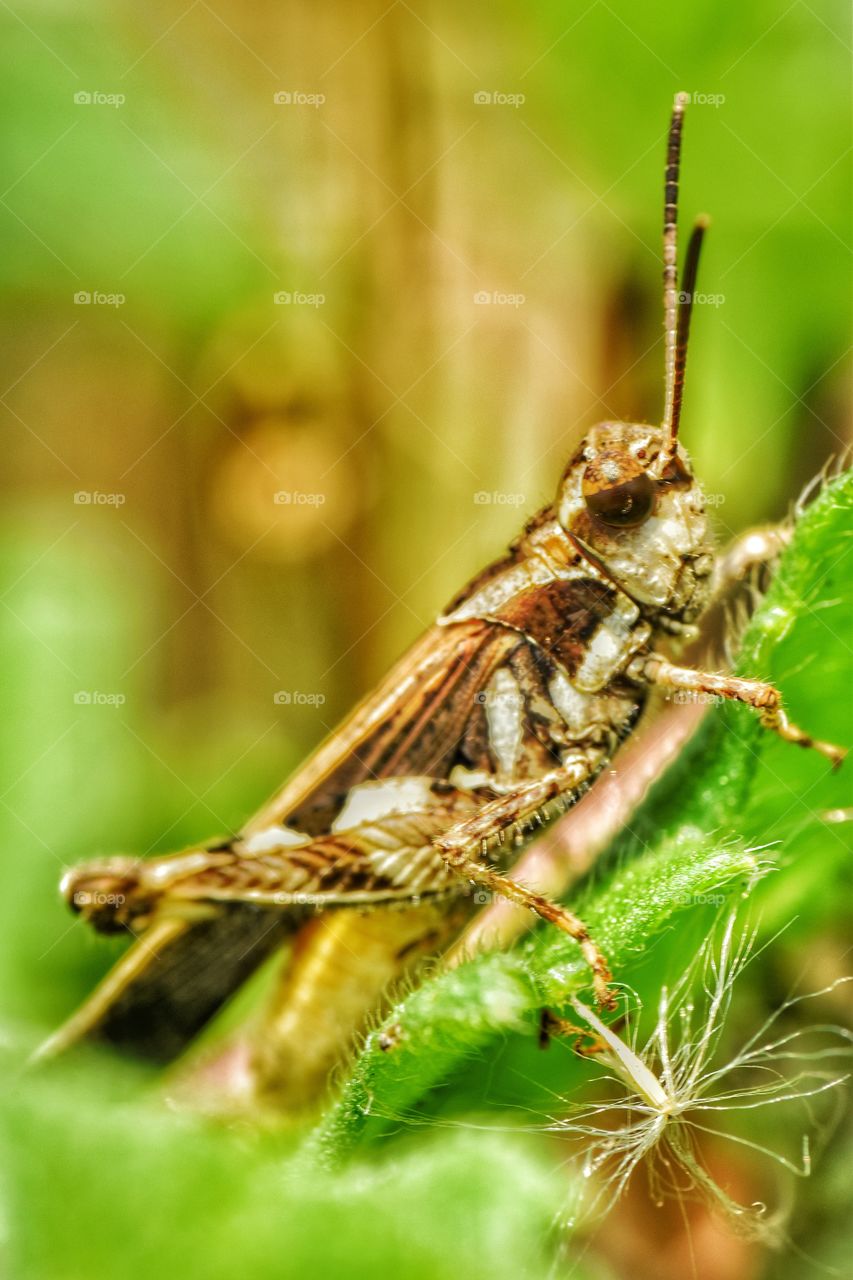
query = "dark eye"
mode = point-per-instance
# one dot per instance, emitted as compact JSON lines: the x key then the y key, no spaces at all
{"x":622,"y":505}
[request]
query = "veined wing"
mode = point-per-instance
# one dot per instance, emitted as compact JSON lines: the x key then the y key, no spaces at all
{"x":180,"y":971}
{"x":411,"y":725}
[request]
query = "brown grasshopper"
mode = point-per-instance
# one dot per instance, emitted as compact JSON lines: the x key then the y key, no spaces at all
{"x":497,"y":719}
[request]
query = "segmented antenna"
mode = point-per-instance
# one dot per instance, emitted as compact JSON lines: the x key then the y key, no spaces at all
{"x":677,"y":306}
{"x":670,"y":267}
{"x":682,"y":327}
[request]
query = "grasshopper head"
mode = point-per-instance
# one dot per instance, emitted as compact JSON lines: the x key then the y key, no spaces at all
{"x":629,"y":498}
{"x":636,"y":509}
{"x":108,"y":894}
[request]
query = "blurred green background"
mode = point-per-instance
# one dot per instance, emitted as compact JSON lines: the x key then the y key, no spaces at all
{"x":283,"y":302}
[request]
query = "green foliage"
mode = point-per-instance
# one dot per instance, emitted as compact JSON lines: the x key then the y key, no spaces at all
{"x":101,"y":1176}
{"x":164,"y":602}
{"x":102,"y":1187}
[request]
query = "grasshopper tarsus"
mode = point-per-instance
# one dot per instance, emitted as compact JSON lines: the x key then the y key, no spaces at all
{"x":762,"y":697}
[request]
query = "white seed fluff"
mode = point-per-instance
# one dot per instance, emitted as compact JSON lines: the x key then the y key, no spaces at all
{"x":668,"y":1089}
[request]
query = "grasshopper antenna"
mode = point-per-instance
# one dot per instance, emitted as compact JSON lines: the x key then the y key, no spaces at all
{"x":677,"y":307}
{"x":682,"y":332}
{"x":670,"y":261}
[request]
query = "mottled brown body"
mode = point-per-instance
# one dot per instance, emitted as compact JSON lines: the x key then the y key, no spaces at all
{"x":498,"y":718}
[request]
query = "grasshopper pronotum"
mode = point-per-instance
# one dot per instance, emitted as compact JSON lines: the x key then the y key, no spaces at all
{"x":497,"y":719}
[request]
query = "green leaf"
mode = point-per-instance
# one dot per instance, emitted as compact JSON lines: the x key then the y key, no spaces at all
{"x":101,"y":1186}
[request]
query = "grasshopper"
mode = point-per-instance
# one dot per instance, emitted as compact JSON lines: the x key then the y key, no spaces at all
{"x":498,"y":719}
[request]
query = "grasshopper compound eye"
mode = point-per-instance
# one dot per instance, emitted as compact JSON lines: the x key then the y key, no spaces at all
{"x":617,"y":491}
